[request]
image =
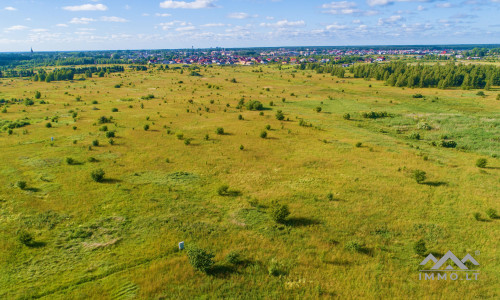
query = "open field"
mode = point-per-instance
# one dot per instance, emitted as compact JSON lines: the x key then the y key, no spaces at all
{"x":118,"y":238}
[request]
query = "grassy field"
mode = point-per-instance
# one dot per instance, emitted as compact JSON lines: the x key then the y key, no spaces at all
{"x":356,"y":210}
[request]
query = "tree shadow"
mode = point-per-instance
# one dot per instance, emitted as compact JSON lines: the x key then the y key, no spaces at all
{"x":111,"y":180}
{"x":338,"y":262}
{"x":221,"y":271}
{"x":35,"y":244}
{"x":32,"y":189}
{"x":435,"y":183}
{"x":300,"y":222}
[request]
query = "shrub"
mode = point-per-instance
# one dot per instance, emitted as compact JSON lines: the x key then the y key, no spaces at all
{"x":448,"y":144}
{"x":375,"y":115}
{"x":419,"y":247}
{"x":48,"y":125}
{"x":240,"y":117}
{"x":200,"y":259}
{"x":234,"y":80}
{"x":481,"y":93}
{"x":354,"y":246}
{"x":146,"y":127}
{"x":92,"y":159}
{"x":481,"y":163}
{"x":424,"y":126}
{"x":477,"y":216}
{"x":242,"y":147}
{"x":418,"y":96}
{"x":491,"y":213}
{"x":97,"y":175}
{"x":95,"y":143}
{"x":28,"y":102}
{"x":219,"y":130}
{"x":38,"y":95}
{"x":103,"y":128}
{"x":187,"y":142}
{"x":103,"y":120}
{"x":110,"y":134}
{"x":179,"y":135}
{"x":414,"y":136}
{"x":25,"y":238}
{"x":4,"y":110}
{"x":498,"y":97}
{"x":346,"y":116}
{"x":207,"y":137}
{"x":419,"y":176}
{"x":223,"y":190}
{"x":280,"y":212}
{"x":111,"y":142}
{"x":10,"y":131}
{"x":263,"y":134}
{"x":114,"y":109}
{"x":317,"y":109}
{"x":254,"y":105}
{"x":233,"y":257}
{"x":268,"y":127}
{"x":275,"y":268}
{"x":21,"y":184}
{"x":358,"y":144}
{"x":330,"y":197}
{"x":70,"y":161}
{"x":279,"y":115}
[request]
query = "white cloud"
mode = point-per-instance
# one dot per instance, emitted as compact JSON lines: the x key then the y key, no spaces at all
{"x":285,"y":23}
{"x":238,"y":15}
{"x":81,"y":20}
{"x":335,"y":27}
{"x":86,"y":7}
{"x":39,"y":30}
{"x":186,"y":28}
{"x":62,"y":25}
{"x":357,"y":21}
{"x":16,"y":28}
{"x":213,"y":25}
{"x":10,"y":8}
{"x":390,"y":20}
{"x":114,"y":19}
{"x":340,"y":8}
{"x":420,"y":8}
{"x":443,"y":5}
{"x":197,"y":4}
{"x":170,"y":25}
{"x":159,"y":15}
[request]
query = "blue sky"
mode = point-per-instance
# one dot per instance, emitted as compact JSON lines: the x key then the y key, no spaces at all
{"x":132,"y":24}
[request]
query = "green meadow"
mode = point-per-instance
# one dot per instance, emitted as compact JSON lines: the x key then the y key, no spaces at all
{"x":356,"y":208}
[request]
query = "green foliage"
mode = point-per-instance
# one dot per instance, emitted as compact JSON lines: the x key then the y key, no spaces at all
{"x":38,"y":95}
{"x":234,"y":80}
{"x":417,"y":96}
{"x":240,"y":117}
{"x":280,"y":212}
{"x":187,"y":142}
{"x":358,"y":144}
{"x":317,"y":109}
{"x":95,"y":143}
{"x":448,"y":144}
{"x":223,"y":190}
{"x":103,"y":120}
{"x":70,"y":161}
{"x":375,"y":115}
{"x":490,"y":212}
{"x":477,"y":216}
{"x":254,"y":105}
{"x":103,"y":128}
{"x":179,"y":135}
{"x":481,"y":93}
{"x":263,"y":134}
{"x":146,"y":127}
{"x":110,"y":134}
{"x":21,"y":184}
{"x":279,"y":115}
{"x":148,"y":97}
{"x":233,"y":257}
{"x":25,"y":238}
{"x":219,"y":130}
{"x":28,"y":102}
{"x":268,"y":127}
{"x":242,"y":147}
{"x":97,"y":175}
{"x":114,"y":109}
{"x":346,"y":116}
{"x":414,"y":136}
{"x":354,"y":246}
{"x":481,"y":163}
{"x":48,"y":125}
{"x":420,"y":248}
{"x":419,"y":176}
{"x":275,"y":268}
{"x":200,"y":259}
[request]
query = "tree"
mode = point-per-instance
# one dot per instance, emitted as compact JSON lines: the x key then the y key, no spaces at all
{"x":419,"y":176}
{"x":481,"y":163}
{"x":38,"y":95}
{"x":279,"y":115}
{"x":97,"y":175}
{"x":200,"y":259}
{"x":280,"y":212}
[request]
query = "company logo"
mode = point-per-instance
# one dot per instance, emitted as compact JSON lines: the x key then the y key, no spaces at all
{"x":442,"y":266}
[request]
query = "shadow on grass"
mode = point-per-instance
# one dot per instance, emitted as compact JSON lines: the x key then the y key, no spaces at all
{"x":221,"y":271}
{"x":36,"y":244}
{"x":435,"y":183}
{"x":32,"y":189}
{"x":111,"y":180}
{"x":300,"y":222}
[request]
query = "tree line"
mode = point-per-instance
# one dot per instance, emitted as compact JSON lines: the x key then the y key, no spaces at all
{"x":69,"y":73}
{"x":441,"y":76}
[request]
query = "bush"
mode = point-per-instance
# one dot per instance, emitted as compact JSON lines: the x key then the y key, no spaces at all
{"x":25,"y":238}
{"x":424,"y":126}
{"x":110,"y":134}
{"x":419,"y":176}
{"x":103,"y":120}
{"x":187,"y":142}
{"x":358,"y":144}
{"x":200,"y":259}
{"x":279,"y":115}
{"x":95,"y":143}
{"x":146,"y":127}
{"x":111,"y":142}
{"x":418,"y":96}
{"x":481,"y":93}
{"x":223,"y":190}
{"x":242,"y":147}
{"x":448,"y":144}
{"x":234,"y":80}
{"x":375,"y":115}
{"x":254,"y":105}
{"x":419,"y":247}
{"x":481,"y":163}
{"x":477,"y":216}
{"x":97,"y":175}
{"x":233,"y":257}
{"x":21,"y":184}
{"x":346,"y":116}
{"x":498,"y":97}
{"x":275,"y":268}
{"x":114,"y":109}
{"x":414,"y":136}
{"x":354,"y":246}
{"x":318,"y":109}
{"x":330,"y":197}
{"x":280,"y":212}
{"x":48,"y":125}
{"x":492,"y":213}
{"x":219,"y":130}
{"x":263,"y":134}
{"x":179,"y":135}
{"x":38,"y":95}
{"x":70,"y":161}
{"x":103,"y":128}
{"x":240,"y":117}
{"x":268,"y":127}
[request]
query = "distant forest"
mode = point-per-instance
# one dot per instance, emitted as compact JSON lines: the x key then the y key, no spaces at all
{"x":441,"y":76}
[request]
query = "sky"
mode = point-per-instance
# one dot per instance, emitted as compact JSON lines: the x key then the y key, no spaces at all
{"x":66,"y":25}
